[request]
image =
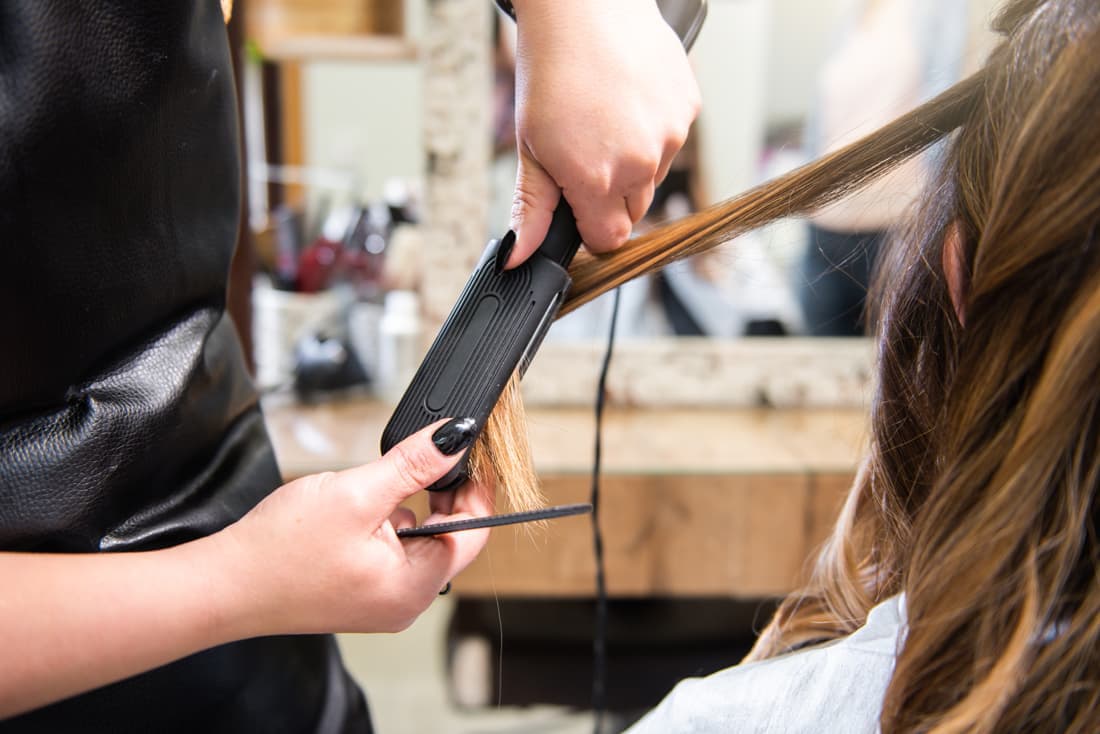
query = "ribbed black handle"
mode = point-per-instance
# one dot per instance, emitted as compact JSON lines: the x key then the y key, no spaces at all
{"x":562,"y":240}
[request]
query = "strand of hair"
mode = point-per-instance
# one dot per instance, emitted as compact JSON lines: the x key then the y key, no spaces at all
{"x":798,"y":193}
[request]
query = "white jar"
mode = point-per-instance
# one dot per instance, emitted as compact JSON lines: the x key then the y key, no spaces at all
{"x":399,"y":344}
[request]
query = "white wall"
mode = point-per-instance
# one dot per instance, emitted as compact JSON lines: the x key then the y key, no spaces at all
{"x":757,"y":63}
{"x":367,"y":117}
{"x":364,"y":117}
{"x":729,"y":58}
{"x":802,"y":33}
{"x":756,"y":60}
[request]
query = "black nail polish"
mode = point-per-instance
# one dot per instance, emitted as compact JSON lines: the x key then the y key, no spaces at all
{"x":455,"y":435}
{"x":504,"y":251}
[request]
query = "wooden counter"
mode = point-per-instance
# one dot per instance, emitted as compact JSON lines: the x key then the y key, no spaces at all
{"x":695,"y":502}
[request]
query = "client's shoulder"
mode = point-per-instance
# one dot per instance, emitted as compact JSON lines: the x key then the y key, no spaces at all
{"x":838,"y":686}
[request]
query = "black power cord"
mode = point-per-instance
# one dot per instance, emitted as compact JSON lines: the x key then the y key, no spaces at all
{"x":599,"y":638}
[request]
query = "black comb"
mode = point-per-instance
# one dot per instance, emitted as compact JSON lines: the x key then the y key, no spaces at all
{"x":493,"y":521}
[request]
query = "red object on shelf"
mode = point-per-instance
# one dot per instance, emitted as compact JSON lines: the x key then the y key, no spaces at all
{"x":319,"y":265}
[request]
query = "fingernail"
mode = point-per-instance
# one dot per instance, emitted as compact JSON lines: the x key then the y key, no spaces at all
{"x":504,"y":251}
{"x":456,"y":435}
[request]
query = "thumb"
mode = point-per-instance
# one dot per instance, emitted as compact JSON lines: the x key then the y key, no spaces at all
{"x":537,"y":195}
{"x":417,"y":462}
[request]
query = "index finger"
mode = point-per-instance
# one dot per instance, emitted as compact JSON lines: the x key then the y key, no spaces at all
{"x":604,"y":222}
{"x":435,"y":560}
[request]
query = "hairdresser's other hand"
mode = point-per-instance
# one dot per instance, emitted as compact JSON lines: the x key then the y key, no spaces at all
{"x":320,"y":554}
{"x":604,"y":100}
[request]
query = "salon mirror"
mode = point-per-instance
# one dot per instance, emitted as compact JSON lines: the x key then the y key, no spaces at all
{"x":774,"y":318}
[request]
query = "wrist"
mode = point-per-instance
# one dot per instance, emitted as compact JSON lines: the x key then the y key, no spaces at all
{"x":225,"y":609}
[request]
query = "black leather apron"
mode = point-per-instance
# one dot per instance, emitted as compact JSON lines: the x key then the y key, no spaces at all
{"x":127,"y":419}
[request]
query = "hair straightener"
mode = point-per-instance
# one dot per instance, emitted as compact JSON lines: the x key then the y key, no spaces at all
{"x":501,"y":317}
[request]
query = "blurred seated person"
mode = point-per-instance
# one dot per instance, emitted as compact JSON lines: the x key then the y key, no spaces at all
{"x":894,"y":55}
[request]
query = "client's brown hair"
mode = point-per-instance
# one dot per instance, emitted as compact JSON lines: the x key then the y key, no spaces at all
{"x":978,"y":498}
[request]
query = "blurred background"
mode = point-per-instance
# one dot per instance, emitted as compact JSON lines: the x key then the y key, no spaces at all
{"x":380,"y":153}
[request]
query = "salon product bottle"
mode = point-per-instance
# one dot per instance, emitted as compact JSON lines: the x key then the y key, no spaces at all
{"x":365,"y":251}
{"x":288,"y":244}
{"x":399,"y":348}
{"x":320,"y":265}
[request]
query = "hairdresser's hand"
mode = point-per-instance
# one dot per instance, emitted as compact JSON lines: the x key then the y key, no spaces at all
{"x":320,"y":554}
{"x":604,"y":100}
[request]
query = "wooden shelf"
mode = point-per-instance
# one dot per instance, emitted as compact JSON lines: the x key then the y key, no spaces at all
{"x":703,"y":442}
{"x":697,"y":503}
{"x":377,"y":48}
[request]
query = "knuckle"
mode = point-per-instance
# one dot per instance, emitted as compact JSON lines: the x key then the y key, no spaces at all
{"x":525,"y":201}
{"x":399,"y":625}
{"x":594,"y":239}
{"x":638,"y":168}
{"x":695,"y":100}
{"x":395,"y":625}
{"x":621,"y":233}
{"x":609,"y":234}
{"x":593,"y":182}
{"x":679,"y":136}
{"x":522,"y":201}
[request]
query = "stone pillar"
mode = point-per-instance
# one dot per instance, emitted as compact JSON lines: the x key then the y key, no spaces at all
{"x":457,"y":115}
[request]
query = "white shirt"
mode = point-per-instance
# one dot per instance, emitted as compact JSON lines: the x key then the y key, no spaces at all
{"x":835,"y":687}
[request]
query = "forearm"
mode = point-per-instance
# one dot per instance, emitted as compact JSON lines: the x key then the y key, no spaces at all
{"x":547,"y":13}
{"x":70,"y":623}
